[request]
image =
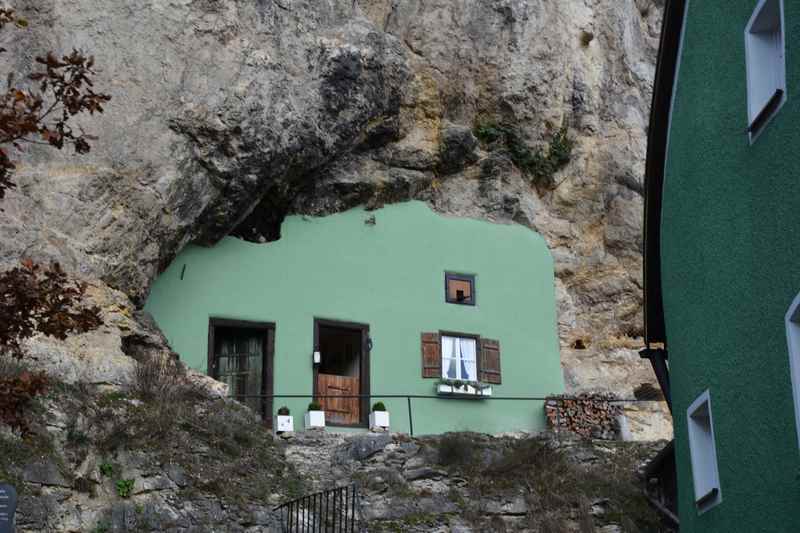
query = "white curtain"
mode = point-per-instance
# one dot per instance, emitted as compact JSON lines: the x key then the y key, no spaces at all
{"x":449,"y":358}
{"x":458,"y":358}
{"x":469,"y":370}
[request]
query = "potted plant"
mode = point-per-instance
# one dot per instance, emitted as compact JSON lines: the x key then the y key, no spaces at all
{"x":463,"y":388}
{"x":315,"y":416}
{"x":379,"y":417}
{"x":285,"y":422}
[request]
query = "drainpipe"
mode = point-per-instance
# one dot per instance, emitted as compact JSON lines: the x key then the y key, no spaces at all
{"x":658,"y":358}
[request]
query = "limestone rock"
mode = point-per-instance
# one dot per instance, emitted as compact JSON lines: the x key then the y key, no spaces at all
{"x":362,"y":447}
{"x":458,"y":148}
{"x":45,"y":473}
{"x":228,"y":115}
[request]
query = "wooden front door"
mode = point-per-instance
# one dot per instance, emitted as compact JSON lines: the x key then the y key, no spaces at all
{"x":343,"y":411}
{"x":343,"y":370}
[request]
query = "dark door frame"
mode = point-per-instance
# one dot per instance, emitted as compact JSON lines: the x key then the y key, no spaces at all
{"x":363,"y":369}
{"x":267,"y":374}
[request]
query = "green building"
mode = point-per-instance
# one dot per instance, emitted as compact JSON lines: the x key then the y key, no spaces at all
{"x":722,"y":274}
{"x":394,"y":302}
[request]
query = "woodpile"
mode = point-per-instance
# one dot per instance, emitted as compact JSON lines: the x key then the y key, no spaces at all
{"x":592,"y":416}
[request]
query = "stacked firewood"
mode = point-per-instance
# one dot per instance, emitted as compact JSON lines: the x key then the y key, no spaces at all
{"x":592,"y":416}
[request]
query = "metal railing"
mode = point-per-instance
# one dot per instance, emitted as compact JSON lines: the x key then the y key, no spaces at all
{"x":330,"y":511}
{"x":409,"y":397}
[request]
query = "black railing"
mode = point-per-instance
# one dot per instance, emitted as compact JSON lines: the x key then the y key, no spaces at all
{"x":409,"y":397}
{"x":330,"y":511}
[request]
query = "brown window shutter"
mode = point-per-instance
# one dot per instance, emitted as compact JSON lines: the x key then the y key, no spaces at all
{"x":431,"y":355}
{"x":490,"y":361}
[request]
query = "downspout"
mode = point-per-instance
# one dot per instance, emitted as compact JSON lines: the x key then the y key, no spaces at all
{"x":658,"y":359}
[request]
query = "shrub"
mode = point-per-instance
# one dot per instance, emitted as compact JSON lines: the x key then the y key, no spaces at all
{"x":539,"y":165}
{"x":315,"y":406}
{"x":10,"y":368}
{"x":41,"y":300}
{"x":456,"y":449}
{"x":489,"y":132}
{"x":124,"y":488}
{"x":18,"y":388}
{"x":107,"y":469}
{"x":165,"y":379}
{"x":284,"y":411}
{"x":378,"y":406}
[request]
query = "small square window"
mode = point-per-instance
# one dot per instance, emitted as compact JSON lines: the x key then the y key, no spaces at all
{"x":459,"y":288}
{"x":703,"y":454}
{"x":766,"y":65}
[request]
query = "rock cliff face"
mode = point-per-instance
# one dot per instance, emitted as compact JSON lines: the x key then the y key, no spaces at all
{"x":226,"y":115}
{"x":97,"y":461}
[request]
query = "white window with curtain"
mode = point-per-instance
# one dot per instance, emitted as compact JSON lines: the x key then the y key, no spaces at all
{"x":459,"y":358}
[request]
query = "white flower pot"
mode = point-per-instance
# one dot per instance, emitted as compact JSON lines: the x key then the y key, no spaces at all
{"x":284,"y":423}
{"x":315,"y":419}
{"x":379,"y":419}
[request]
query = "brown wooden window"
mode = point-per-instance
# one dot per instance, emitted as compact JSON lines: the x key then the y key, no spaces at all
{"x":460,"y":356}
{"x":459,"y":288}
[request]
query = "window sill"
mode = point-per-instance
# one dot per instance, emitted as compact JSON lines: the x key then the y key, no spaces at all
{"x":766,"y":114}
{"x":467,"y":391}
{"x":708,"y":500}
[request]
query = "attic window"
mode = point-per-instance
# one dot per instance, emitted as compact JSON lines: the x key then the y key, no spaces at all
{"x":703,"y":454}
{"x":766,"y":65}
{"x":459,"y":288}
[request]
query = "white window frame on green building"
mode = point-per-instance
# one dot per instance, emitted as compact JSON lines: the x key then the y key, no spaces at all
{"x":792,"y":321}
{"x":703,"y":454}
{"x":765,"y":59}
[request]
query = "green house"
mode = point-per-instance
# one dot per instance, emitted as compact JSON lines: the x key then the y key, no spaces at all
{"x":442,"y":319}
{"x":722,"y":275}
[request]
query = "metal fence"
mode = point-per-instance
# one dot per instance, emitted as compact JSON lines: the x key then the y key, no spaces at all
{"x":409,"y":397}
{"x":330,"y":511}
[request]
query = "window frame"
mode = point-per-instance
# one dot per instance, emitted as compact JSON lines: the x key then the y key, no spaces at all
{"x":713,"y":497}
{"x":757,"y":120}
{"x":792,"y":323}
{"x":459,"y":277}
{"x":460,"y":335}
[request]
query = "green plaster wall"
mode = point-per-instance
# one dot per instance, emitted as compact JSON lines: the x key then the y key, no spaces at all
{"x":389,"y":275}
{"x":730,"y":256}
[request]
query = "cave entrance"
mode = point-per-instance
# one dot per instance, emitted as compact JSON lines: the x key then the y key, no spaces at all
{"x":343,"y":370}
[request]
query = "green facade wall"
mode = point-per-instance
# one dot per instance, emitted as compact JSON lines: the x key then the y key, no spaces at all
{"x":731,"y":267}
{"x":389,"y":275}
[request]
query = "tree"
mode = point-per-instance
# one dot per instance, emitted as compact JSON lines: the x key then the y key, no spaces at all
{"x":34,"y":300}
{"x":65,"y":89}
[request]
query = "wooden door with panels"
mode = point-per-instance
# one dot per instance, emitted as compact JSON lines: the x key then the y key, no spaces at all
{"x":241,"y":354}
{"x":344,"y":411}
{"x":342,"y":375}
